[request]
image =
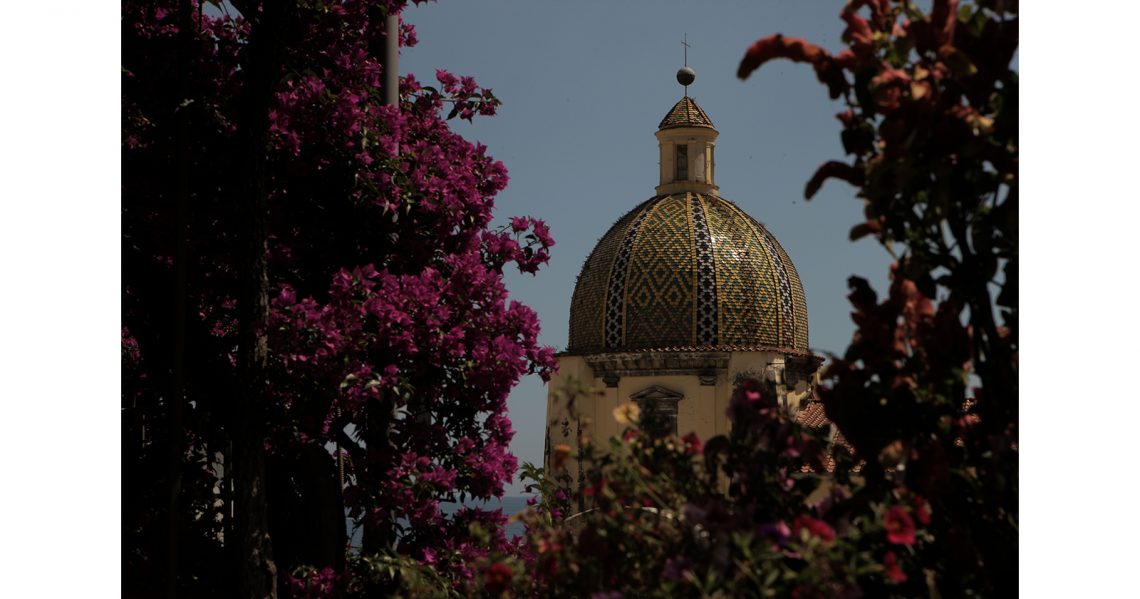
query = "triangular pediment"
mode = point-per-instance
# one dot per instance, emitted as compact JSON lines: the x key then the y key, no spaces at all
{"x":656,"y":393}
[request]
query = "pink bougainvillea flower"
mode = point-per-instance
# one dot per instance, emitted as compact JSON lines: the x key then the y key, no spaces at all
{"x":778,"y":532}
{"x":899,"y":525}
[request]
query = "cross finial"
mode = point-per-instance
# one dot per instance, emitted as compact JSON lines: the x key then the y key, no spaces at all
{"x":685,"y":76}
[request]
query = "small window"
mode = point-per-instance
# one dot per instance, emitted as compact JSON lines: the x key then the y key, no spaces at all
{"x":658,"y":410}
{"x":682,"y":163}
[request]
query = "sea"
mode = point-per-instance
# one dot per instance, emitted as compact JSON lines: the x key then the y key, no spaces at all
{"x":510,"y":505}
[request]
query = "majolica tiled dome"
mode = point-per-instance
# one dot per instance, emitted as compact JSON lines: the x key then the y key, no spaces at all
{"x":688,"y":271}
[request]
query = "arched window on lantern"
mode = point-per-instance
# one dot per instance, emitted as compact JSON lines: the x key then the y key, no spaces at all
{"x":682,"y":170}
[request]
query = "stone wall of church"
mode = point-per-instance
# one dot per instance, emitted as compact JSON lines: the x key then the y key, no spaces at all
{"x":700,"y":396}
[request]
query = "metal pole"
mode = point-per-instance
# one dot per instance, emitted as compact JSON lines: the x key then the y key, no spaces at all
{"x":391,"y":60}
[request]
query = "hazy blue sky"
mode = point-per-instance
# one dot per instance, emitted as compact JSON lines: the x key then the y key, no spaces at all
{"x":584,"y":85}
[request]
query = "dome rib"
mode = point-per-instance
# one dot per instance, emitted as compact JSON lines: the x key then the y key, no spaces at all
{"x":687,"y":270}
{"x":780,"y":280}
{"x":586,"y":328}
{"x":615,"y":316}
{"x":705,"y":311}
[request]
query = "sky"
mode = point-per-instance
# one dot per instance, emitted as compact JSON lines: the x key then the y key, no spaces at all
{"x":583,"y":87}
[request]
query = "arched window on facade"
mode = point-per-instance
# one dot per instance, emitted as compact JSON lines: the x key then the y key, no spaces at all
{"x":658,"y":410}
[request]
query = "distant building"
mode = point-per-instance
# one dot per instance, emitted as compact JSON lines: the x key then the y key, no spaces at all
{"x":683,"y":297}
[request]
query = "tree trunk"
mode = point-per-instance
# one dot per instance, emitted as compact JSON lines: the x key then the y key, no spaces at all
{"x":257,"y":575}
{"x":380,"y":535}
{"x":379,"y":532}
{"x":306,"y":483}
{"x":177,"y":398}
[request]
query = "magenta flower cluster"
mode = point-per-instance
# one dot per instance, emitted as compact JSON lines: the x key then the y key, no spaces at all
{"x":391,"y":333}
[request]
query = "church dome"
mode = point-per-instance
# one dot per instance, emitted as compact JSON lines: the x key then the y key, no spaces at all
{"x":688,"y":271}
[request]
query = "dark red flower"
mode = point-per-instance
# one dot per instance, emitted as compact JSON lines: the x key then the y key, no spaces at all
{"x":921,"y":510}
{"x":497,"y":578}
{"x":778,"y":46}
{"x":807,"y":592}
{"x":899,"y":525}
{"x":693,"y":443}
{"x":891,"y":567}
{"x":833,"y":169}
{"x":858,"y":34}
{"x":888,"y":86}
{"x":861,"y":230}
{"x":817,"y":528}
{"x":550,"y":566}
{"x":595,"y":488}
{"x":943,"y":17}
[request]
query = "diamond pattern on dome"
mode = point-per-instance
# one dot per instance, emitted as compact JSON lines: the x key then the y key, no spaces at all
{"x":799,"y":302}
{"x":661,"y":277}
{"x":793,"y":305}
{"x":706,"y":276}
{"x":615,"y":294}
{"x":589,"y":300}
{"x":688,"y":272}
{"x":745,"y":284}
{"x":786,"y":336}
{"x":686,"y":113}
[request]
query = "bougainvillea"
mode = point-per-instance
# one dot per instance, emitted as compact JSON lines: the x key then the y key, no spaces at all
{"x":927,"y":391}
{"x":392,"y":342}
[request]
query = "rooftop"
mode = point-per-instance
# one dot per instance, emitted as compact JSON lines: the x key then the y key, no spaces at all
{"x":686,"y":113}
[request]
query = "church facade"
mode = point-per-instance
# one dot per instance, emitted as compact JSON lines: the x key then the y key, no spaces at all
{"x":683,"y":297}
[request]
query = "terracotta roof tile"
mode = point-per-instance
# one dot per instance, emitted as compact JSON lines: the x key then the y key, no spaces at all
{"x":686,"y":113}
{"x":812,"y":415}
{"x":695,"y":348}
